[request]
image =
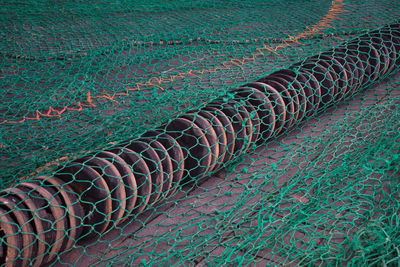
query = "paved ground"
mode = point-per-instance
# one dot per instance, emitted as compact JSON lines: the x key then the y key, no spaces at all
{"x":214,"y":193}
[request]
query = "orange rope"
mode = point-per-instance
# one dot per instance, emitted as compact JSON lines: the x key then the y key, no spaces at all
{"x":334,"y":11}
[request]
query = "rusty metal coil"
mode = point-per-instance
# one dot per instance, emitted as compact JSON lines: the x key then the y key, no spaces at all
{"x":82,"y":200}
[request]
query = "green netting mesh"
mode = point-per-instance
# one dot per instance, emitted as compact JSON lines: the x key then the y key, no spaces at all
{"x":199,"y":133}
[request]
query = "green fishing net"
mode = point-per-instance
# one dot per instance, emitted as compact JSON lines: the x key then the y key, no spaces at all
{"x":132,"y":133}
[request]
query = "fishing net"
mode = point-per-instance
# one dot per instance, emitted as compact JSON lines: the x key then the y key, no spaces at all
{"x":199,"y":133}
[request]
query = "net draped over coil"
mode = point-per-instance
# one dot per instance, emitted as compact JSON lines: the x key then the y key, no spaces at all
{"x":199,"y":133}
